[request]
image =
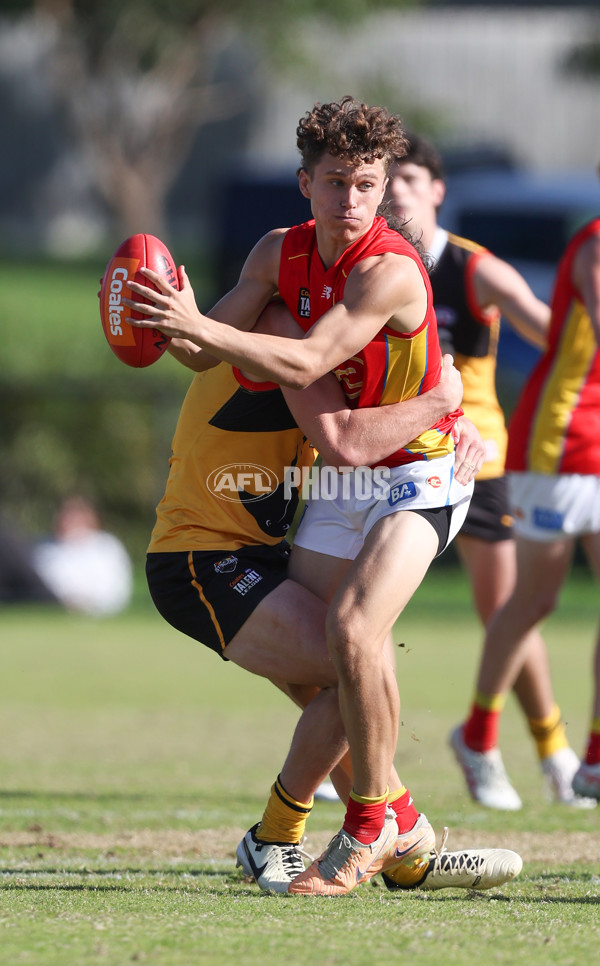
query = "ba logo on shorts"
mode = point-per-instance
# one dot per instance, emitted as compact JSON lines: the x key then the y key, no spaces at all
{"x":547,"y":519}
{"x":402,"y":491}
{"x":304,"y":303}
{"x":227,"y":565}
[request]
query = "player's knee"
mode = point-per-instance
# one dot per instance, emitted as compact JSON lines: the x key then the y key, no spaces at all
{"x":347,"y":641}
{"x":537,"y":606}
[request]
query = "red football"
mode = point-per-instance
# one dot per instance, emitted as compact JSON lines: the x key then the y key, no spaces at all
{"x":134,"y":347}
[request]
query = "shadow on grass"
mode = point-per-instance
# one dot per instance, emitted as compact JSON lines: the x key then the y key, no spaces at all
{"x":232,"y":879}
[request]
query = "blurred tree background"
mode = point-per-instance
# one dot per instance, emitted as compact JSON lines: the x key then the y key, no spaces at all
{"x":136,"y":89}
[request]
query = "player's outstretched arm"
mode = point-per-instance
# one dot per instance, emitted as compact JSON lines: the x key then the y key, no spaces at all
{"x":498,"y":284}
{"x":376,"y":291}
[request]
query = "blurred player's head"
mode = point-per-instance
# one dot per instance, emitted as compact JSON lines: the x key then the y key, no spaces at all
{"x":422,"y":152}
{"x":350,"y":131}
{"x":416,"y":187}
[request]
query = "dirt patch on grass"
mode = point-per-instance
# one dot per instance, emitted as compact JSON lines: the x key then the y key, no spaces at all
{"x":218,"y":844}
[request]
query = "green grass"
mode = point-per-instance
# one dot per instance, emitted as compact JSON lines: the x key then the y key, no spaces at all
{"x":132,"y":760}
{"x":61,"y":320}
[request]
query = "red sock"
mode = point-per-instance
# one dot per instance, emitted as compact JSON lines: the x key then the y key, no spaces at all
{"x":592,"y":756}
{"x":406,"y":813}
{"x":364,"y":818}
{"x":480,"y":732}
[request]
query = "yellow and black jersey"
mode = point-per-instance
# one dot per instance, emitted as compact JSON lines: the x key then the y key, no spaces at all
{"x":226,"y":486}
{"x":471,"y":335}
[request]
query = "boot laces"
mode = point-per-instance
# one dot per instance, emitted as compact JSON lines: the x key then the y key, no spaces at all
{"x":454,"y":863}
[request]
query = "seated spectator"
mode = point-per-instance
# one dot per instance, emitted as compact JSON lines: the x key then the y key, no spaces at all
{"x":88,"y":569}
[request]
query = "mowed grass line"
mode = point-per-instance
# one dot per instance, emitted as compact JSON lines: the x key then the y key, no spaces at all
{"x":131,"y":761}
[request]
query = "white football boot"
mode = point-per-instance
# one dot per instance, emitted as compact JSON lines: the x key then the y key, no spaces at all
{"x":273,"y":865}
{"x":485,"y":774}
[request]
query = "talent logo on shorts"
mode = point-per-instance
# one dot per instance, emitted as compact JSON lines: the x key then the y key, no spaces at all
{"x":246,"y":581}
{"x":401,"y":492}
{"x":227,"y":565}
{"x":548,"y":519}
{"x":304,"y":303}
{"x":256,"y":482}
{"x":434,"y":481}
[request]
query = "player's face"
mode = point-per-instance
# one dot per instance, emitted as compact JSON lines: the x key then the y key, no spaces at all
{"x":344,"y":197}
{"x":414,"y":195}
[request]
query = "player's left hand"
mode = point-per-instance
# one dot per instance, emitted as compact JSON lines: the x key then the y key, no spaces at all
{"x":469,"y":451}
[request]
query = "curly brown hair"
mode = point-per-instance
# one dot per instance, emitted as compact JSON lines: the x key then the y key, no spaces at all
{"x":350,"y":130}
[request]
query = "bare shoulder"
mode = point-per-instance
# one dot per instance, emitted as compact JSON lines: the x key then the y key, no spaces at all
{"x":387,"y":273}
{"x":263,"y":260}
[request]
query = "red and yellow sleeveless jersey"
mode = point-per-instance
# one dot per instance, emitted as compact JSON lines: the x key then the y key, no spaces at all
{"x":225,"y":488}
{"x":394,"y":365}
{"x":555,"y":427}
{"x":471,"y":336}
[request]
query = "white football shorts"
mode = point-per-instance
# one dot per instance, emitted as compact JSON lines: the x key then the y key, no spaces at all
{"x":553,"y":507}
{"x":343,"y":507}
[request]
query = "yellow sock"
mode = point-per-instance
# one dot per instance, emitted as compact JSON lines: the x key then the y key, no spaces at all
{"x":284,"y":818}
{"x":549,"y":733}
{"x":490,"y":702}
{"x":363,"y":800}
{"x":394,"y":796}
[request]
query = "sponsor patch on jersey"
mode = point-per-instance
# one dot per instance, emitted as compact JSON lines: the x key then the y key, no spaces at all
{"x":548,"y":519}
{"x":350,"y":375}
{"x":227,"y":565}
{"x":434,"y":481}
{"x":304,"y":303}
{"x":401,"y":492}
{"x":246,"y":581}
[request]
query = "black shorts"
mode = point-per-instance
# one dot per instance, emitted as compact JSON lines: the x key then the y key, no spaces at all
{"x":209,"y":594}
{"x":489,"y":516}
{"x":439,"y":517}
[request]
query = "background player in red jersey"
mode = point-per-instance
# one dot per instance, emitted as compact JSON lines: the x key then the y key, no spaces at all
{"x":553,"y":461}
{"x":381,"y":291}
{"x":471,"y":289}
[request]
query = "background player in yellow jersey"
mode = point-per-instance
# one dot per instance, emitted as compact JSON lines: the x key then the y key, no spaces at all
{"x":472,"y":289}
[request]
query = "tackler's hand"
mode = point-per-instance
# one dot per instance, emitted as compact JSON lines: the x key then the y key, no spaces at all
{"x":469,"y":452}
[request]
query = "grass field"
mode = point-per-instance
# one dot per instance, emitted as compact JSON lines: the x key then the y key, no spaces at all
{"x":132,"y":761}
